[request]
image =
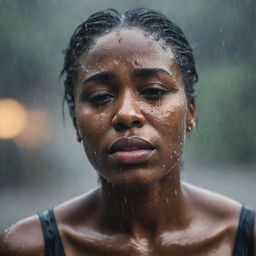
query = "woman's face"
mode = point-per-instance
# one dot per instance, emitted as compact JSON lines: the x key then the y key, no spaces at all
{"x":130,"y":88}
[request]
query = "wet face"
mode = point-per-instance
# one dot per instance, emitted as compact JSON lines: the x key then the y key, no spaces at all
{"x":130,"y":91}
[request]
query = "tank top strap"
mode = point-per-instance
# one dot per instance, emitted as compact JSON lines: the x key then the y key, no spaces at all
{"x":244,"y":242}
{"x":52,"y":240}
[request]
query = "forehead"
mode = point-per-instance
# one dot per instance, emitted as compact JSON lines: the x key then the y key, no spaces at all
{"x":130,"y":46}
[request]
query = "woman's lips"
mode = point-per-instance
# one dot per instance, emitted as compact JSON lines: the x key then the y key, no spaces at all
{"x":132,"y":157}
{"x":132,"y":150}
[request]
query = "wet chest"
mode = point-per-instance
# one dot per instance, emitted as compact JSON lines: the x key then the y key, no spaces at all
{"x":169,"y":245}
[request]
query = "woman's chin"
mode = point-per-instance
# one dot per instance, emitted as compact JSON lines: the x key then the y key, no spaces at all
{"x":135,"y":177}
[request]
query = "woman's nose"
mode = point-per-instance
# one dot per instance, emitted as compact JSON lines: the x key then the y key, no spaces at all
{"x":128,"y":114}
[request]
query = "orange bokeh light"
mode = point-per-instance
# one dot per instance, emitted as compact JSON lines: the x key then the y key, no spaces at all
{"x":37,"y":132}
{"x":13,"y":118}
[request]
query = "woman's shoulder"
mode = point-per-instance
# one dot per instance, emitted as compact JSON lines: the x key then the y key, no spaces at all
{"x":215,"y":213}
{"x":213,"y":204}
{"x":81,"y":207}
{"x":23,"y":238}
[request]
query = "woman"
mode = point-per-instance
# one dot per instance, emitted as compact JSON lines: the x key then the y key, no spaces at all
{"x":130,"y":90}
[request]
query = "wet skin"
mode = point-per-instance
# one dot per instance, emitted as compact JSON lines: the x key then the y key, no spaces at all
{"x":141,"y":95}
{"x":130,"y":86}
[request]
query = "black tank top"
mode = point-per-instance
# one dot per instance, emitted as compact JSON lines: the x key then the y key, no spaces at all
{"x":244,"y":241}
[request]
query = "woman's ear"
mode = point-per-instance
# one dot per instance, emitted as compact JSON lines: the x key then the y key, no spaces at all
{"x":191,"y":116}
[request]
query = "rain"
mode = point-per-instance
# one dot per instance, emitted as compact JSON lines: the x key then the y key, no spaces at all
{"x":41,"y":162}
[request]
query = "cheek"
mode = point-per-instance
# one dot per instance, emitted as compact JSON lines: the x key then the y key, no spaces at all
{"x":169,"y":121}
{"x":91,"y":127}
{"x":169,"y":117}
{"x":173,"y":130}
{"x":90,"y":124}
{"x":172,"y":126}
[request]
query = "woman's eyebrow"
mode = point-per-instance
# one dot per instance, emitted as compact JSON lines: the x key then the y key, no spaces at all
{"x":150,"y":72}
{"x":98,"y":77}
{"x":108,"y":75}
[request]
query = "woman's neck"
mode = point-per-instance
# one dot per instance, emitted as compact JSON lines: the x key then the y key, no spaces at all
{"x":148,"y":209}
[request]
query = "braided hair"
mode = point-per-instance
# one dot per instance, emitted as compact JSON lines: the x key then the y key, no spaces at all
{"x":101,"y":23}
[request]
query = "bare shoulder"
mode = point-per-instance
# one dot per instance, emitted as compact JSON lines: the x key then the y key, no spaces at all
{"x":82,"y":207}
{"x":215,"y":206}
{"x":26,"y":237}
{"x":74,"y":216}
{"x":222,"y":211}
{"x":23,"y":238}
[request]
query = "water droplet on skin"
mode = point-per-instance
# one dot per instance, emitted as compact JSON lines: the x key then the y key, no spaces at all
{"x":175,"y":192}
{"x":136,"y":63}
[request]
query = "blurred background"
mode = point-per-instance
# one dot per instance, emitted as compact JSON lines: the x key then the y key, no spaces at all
{"x":41,"y":163}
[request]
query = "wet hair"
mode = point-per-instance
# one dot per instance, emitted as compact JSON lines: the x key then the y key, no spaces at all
{"x":150,"y":21}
